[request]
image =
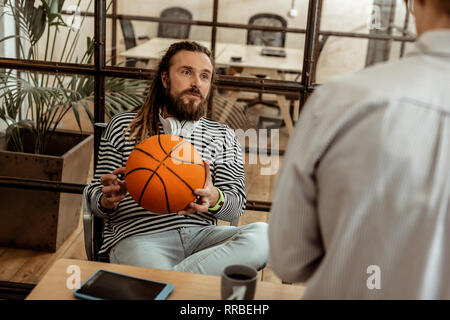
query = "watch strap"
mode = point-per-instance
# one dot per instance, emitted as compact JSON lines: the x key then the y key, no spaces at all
{"x":219,"y":202}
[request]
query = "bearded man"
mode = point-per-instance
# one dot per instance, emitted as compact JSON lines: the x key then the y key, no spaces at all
{"x":189,"y":240}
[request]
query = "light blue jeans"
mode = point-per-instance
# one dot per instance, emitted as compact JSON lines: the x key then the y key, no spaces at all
{"x":196,"y":249}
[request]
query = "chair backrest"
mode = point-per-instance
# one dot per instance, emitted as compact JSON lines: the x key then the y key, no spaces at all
{"x":128,"y":33}
{"x":92,"y":223}
{"x":267,"y":38}
{"x":173,"y":30}
{"x":130,"y":39}
{"x":231,"y":112}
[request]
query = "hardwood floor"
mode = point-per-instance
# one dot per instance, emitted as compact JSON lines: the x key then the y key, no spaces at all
{"x":28,"y":266}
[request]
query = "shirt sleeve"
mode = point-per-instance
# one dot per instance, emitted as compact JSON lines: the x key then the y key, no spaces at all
{"x":228,"y":176}
{"x":109,"y":159}
{"x":295,"y":240}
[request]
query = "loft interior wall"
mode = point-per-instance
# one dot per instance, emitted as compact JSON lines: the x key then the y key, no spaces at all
{"x":340,"y":55}
{"x":343,"y":55}
{"x":86,"y":30}
{"x":7,"y":47}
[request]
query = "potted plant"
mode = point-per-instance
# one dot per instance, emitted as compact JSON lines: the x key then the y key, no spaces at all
{"x":32,"y":105}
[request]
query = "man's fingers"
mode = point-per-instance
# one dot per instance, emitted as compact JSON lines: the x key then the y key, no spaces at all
{"x":207,"y":168}
{"x":116,"y":199}
{"x":202,"y":192}
{"x":118,"y":171}
{"x":107,"y":179}
{"x":186,"y":211}
{"x":208,"y":179}
{"x":112,"y":178}
{"x":199,"y":207}
{"x":110,"y":189}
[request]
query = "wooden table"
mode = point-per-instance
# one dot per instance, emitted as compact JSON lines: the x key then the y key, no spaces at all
{"x":252,"y":63}
{"x":188,"y":286}
{"x":251,"y":58}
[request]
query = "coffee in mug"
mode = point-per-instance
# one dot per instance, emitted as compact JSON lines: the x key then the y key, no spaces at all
{"x":238,"y":282}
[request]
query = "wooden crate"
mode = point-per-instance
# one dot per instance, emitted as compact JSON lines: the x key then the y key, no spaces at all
{"x":42,"y":220}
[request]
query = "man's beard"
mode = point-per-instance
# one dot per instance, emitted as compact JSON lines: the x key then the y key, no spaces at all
{"x":177,"y":108}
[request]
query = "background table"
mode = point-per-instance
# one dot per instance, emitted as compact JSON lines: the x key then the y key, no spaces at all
{"x":155,"y":48}
{"x":188,"y":286}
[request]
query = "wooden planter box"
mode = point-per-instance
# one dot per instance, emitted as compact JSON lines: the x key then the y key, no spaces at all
{"x":42,"y":220}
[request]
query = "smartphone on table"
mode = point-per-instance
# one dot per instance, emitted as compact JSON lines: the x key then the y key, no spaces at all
{"x":108,"y":285}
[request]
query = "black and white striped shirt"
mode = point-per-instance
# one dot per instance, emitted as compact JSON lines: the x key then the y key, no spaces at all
{"x":215,"y":142}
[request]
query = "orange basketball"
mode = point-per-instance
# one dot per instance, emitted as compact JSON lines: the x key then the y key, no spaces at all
{"x":162,"y":173}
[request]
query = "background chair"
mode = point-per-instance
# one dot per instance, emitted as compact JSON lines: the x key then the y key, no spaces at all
{"x":231,"y":112}
{"x":267,"y":38}
{"x":274,"y":39}
{"x":93,"y":232}
{"x":271,"y":39}
{"x":173,"y":30}
{"x":131,"y":41}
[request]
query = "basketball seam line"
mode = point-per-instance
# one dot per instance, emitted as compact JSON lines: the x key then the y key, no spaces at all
{"x":172,"y":151}
{"x":170,"y":155}
{"x":159,"y":141}
{"x":162,"y":163}
{"x":155,"y":172}
{"x":146,"y":184}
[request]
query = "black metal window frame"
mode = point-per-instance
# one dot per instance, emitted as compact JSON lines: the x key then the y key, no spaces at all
{"x":100,"y":70}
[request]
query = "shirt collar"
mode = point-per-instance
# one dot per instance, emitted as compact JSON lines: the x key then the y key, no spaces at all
{"x":434,"y":42}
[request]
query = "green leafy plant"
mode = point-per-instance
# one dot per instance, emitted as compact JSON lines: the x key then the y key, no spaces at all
{"x":37,"y":102}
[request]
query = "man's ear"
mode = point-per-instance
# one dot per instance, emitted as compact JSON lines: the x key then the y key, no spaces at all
{"x":164,"y":79}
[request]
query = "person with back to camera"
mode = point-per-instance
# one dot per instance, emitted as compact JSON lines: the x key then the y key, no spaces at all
{"x":362,"y":203}
{"x":188,"y":240}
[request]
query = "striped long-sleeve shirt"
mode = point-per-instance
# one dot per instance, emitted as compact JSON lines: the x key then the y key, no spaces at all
{"x":215,"y":142}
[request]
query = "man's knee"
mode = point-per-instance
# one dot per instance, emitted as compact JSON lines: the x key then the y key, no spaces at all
{"x":258,"y":231}
{"x":257,"y":237}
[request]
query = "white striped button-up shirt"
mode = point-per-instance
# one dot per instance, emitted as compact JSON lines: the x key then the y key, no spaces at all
{"x":362,"y":202}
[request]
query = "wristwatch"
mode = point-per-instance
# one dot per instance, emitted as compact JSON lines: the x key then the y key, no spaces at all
{"x":218,"y":204}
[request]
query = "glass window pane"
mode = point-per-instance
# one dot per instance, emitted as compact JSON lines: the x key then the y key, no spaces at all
{"x":146,"y":52}
{"x":341,"y":55}
{"x":245,"y":109}
{"x":137,"y":39}
{"x":241,"y":59}
{"x":200,"y":9}
{"x":259,"y":129}
{"x":66,"y":101}
{"x":364,"y":15}
{"x":41,"y":101}
{"x":123,"y":95}
{"x":48,"y":34}
{"x":237,"y":11}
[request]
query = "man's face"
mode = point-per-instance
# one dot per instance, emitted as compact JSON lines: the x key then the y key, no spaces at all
{"x":187,"y":84}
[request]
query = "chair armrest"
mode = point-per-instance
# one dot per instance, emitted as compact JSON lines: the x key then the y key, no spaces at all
{"x":88,"y":227}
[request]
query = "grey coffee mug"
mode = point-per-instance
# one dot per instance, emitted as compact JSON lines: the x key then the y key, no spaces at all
{"x":238,"y":282}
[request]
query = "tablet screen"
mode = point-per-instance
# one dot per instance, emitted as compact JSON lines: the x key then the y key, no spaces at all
{"x":114,"y":286}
